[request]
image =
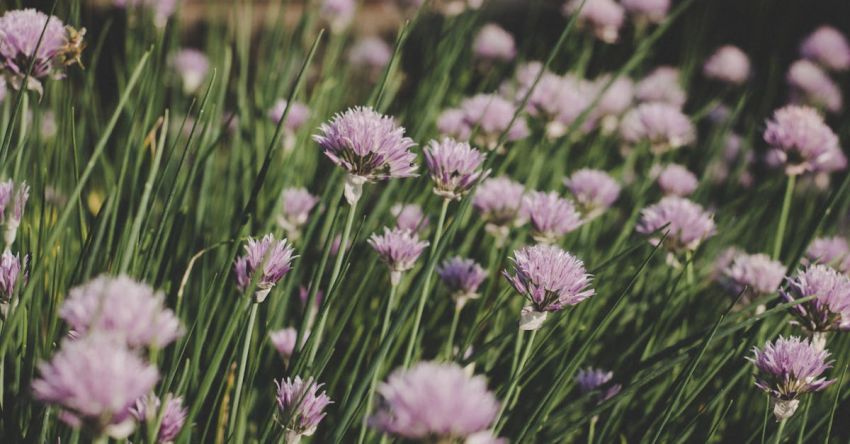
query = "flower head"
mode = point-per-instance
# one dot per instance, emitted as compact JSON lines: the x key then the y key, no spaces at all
{"x":811,"y":85}
{"x":284,"y":341}
{"x":828,"y":47}
{"x":410,"y":217}
{"x":664,"y":127}
{"x":434,"y":400}
{"x":399,"y":249}
{"x":662,"y":85}
{"x":571,"y":99}
{"x":800,"y":140}
{"x":758,"y":272}
{"x":617,"y":98}
{"x":494,"y":44}
{"x":593,"y":190}
{"x":174,"y":416}
{"x":455,"y":167}
{"x":192,"y":66}
{"x":371,"y":54}
{"x":604,"y":17}
{"x":301,"y":405}
{"x":551,"y":216}
{"x":832,"y":251}
{"x":123,"y":308}
{"x":676,"y":180}
{"x":830,"y":309}
{"x":295,"y":207}
{"x":338,"y":13}
{"x":653,"y":11}
{"x":591,"y":380}
{"x":273,"y":255}
{"x":728,"y":64}
{"x":486,"y":117}
{"x":297,"y":116}
{"x":162,"y":9}
{"x":10,"y":272}
{"x":500,"y":200}
{"x":13,"y":200}
{"x":462,"y":277}
{"x":686,"y":222}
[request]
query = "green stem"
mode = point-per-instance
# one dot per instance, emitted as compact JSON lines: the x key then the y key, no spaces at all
{"x":447,"y":352}
{"x":781,"y":427}
{"x":783,"y":218}
{"x":101,"y":439}
{"x":592,"y":430}
{"x":242,"y":364}
{"x":515,"y":380}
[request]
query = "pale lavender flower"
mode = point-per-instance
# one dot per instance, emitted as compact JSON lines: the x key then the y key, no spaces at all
{"x":800,"y":140}
{"x":653,"y":11}
{"x":95,"y":380}
{"x":551,"y":216}
{"x":661,"y":85}
{"x":399,"y":249}
{"x":572,"y":97}
{"x":455,"y":167}
{"x":664,"y":127}
{"x":832,"y":251}
{"x":757,"y":272}
{"x":192,"y":66}
{"x":284,"y":341}
{"x":295,"y":207}
{"x":676,"y":180}
{"x":789,"y":368}
{"x":410,"y":217}
{"x":372,"y":54}
{"x":10,"y":272}
{"x":162,"y":9}
{"x":369,"y":146}
{"x":500,"y":200}
{"x":593,"y":190}
{"x":174,"y":416}
{"x":688,"y":224}
{"x":830,"y":309}
{"x":488,"y":116}
{"x":614,"y":101}
{"x":273,"y":255}
{"x":434,"y":401}
{"x":452,"y":8}
{"x":484,"y":437}
{"x":592,"y":380}
{"x":728,"y":64}
{"x":542,"y":98}
{"x":451,"y":122}
{"x":17,"y":195}
{"x":301,"y":406}
{"x":828,"y":47}
{"x":493,"y":43}
{"x":297,"y":116}
{"x":462,"y":277}
{"x":337,"y":13}
{"x":811,"y":85}
{"x":550,"y":278}
{"x":604,"y":17}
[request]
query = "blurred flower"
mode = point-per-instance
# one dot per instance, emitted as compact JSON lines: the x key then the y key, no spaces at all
{"x":10,"y":272}
{"x":455,"y":167}
{"x":661,"y":85}
{"x":676,"y":180}
{"x":369,"y":146}
{"x":613,"y":102}
{"x":550,"y":278}
{"x":492,"y":43}
{"x":21,"y":33}
{"x":484,"y":118}
{"x":830,"y":309}
{"x":593,"y":190}
{"x":452,"y":8}
{"x":604,"y":17}
{"x":174,"y":416}
{"x":123,"y":308}
{"x":371,"y":54}
{"x":551,"y":216}
{"x":399,"y":249}
{"x":462,"y":277}
{"x":800,"y":140}
{"x":295,"y":207}
{"x":301,"y":406}
{"x":827,"y":47}
{"x":810,"y":85}
{"x":728,"y":64}
{"x":95,"y":380}
{"x":484,"y":437}
{"x":304,"y":293}
{"x":500,"y":200}
{"x":192,"y":66}
{"x":434,"y":401}
{"x":273,"y":255}
{"x":662,"y":126}
{"x":653,"y":11}
{"x":410,"y":217}
{"x":687,"y":223}
{"x":17,"y":195}
{"x":757,"y":272}
{"x":297,"y":116}
{"x":337,"y":13}
{"x":832,"y":251}
{"x":284,"y":341}
{"x":162,"y":9}
{"x":591,"y":379}
{"x":787,"y":369}
{"x":571,"y":100}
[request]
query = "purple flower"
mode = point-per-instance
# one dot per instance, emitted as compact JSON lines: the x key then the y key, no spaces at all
{"x":728,"y":64}
{"x":800,"y":140}
{"x":661,"y":85}
{"x":10,"y":272}
{"x":664,"y":127}
{"x":301,"y":405}
{"x":811,"y":85}
{"x":284,"y":341}
{"x":484,"y":437}
{"x":616,"y":99}
{"x":192,"y":66}
{"x":455,"y":167}
{"x":789,"y":368}
{"x":591,"y":380}
{"x":371,"y":54}
{"x":572,"y":97}
{"x":295,"y":207}
{"x":174,"y":416}
{"x":410,"y":217}
{"x":551,"y":216}
{"x":604,"y":17}
{"x":832,"y":251}
{"x":298,"y":115}
{"x":20,"y":31}
{"x":488,"y":116}
{"x":275,"y":257}
{"x":500,"y":200}
{"x":828,"y":47}
{"x":451,"y":122}
{"x":550,"y":278}
{"x":338,"y":13}
{"x":399,"y":249}
{"x":11,"y":216}
{"x":653,"y":11}
{"x":162,"y":9}
{"x":676,"y":180}
{"x":433,"y":401}
{"x":95,"y":381}
{"x":304,"y":293}
{"x":758,"y":272}
{"x":123,"y":308}
{"x":593,"y":190}
{"x":494,"y":44}
{"x":686,"y":222}
{"x":830,"y":309}
{"x":368,"y":145}
{"x":462,"y":277}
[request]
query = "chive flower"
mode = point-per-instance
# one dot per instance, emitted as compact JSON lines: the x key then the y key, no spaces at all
{"x":551,"y":216}
{"x":661,"y":85}
{"x":828,"y":47}
{"x":455,"y":167}
{"x":830,"y":309}
{"x":462,"y":277}
{"x":499,"y":200}
{"x":663,"y":127}
{"x":810,"y":85}
{"x":13,"y":200}
{"x":192,"y":66}
{"x":147,"y":410}
{"x":295,"y":207}
{"x":676,"y":180}
{"x":493,"y":43}
{"x":273,"y":255}
{"x":410,"y":217}
{"x":399,"y":249}
{"x":687,"y":224}
{"x":603,"y":17}
{"x":800,"y":140}
{"x":301,"y":406}
{"x":593,"y":190}
{"x":728,"y":65}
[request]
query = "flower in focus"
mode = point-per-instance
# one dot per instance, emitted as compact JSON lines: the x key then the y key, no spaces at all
{"x":295,"y":207}
{"x":593,"y":190}
{"x":604,"y":17}
{"x":13,"y":200}
{"x":550,"y":278}
{"x":370,"y":54}
{"x":686,"y":222}
{"x":410,"y":217}
{"x":756,"y":272}
{"x":664,"y":127}
{"x":10,"y":272}
{"x":500,"y":200}
{"x":174,"y":416}
{"x":399,"y":249}
{"x":455,"y":167}
{"x":273,"y":255}
{"x":832,"y":251}
{"x":787,"y":369}
{"x":434,"y":401}
{"x":551,"y":216}
{"x":661,"y":85}
{"x":125,"y":309}
{"x":800,"y":140}
{"x":811,"y":85}
{"x":369,"y":146}
{"x":652,"y":11}
{"x":95,"y":380}
{"x":301,"y":406}
{"x":676,"y":180}
{"x":192,"y":66}
{"x":337,"y":13}
{"x":162,"y":9}
{"x":728,"y":64}
{"x":462,"y":277}
{"x":830,"y":309}
{"x":592,"y":380}
{"x":494,"y":44}
{"x":284,"y":341}
{"x":827,"y":47}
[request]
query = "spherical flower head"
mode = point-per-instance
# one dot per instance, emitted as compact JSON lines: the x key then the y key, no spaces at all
{"x":162,"y":9}
{"x":455,"y":167}
{"x":13,"y":200}
{"x":273,"y":255}
{"x":95,"y":380}
{"x":828,"y":47}
{"x":123,"y":308}
{"x":371,"y":54}
{"x":799,"y":139}
{"x":604,"y":17}
{"x":788,"y":368}
{"x":499,"y":200}
{"x":664,"y":127}
{"x":452,"y":122}
{"x":399,"y":249}
{"x":410,"y":217}
{"x":550,"y":278}
{"x":10,"y":273}
{"x":284,"y":341}
{"x":295,"y":207}
{"x":551,"y":216}
{"x":830,"y":309}
{"x":661,"y":85}
{"x":147,"y":409}
{"x":686,"y":222}
{"x":591,"y":380}
{"x":493,"y":43}
{"x":811,"y":85}
{"x":832,"y":251}
{"x":728,"y":65}
{"x":676,"y":180}
{"x":338,"y":13}
{"x":573,"y":96}
{"x":593,"y":190}
{"x":488,"y":116}
{"x":301,"y":405}
{"x":462,"y":277}
{"x":757,"y":272}
{"x":192,"y":66}
{"x":434,"y":401}
{"x":297,"y":116}
{"x":653,"y":11}
{"x":369,"y":146}
{"x":617,"y":98}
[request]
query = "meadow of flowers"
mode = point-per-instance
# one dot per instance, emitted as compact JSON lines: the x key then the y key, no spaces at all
{"x":506,"y":221}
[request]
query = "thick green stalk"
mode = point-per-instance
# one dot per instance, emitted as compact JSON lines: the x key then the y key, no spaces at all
{"x":783,"y":217}
{"x":781,"y":426}
{"x":243,"y":362}
{"x":447,"y":352}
